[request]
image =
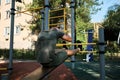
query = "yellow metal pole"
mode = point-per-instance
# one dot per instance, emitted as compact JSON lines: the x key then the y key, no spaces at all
{"x":56,"y":24}
{"x":87,"y":51}
{"x":64,"y":19}
{"x":62,"y":16}
{"x":56,"y":17}
{"x":57,"y":10}
{"x":28,"y":10}
{"x":27,"y":14}
{"x":2,"y":69}
{"x":76,"y":44}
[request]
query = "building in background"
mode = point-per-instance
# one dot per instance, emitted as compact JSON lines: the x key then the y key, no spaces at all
{"x":23,"y":39}
{"x":96,"y":30}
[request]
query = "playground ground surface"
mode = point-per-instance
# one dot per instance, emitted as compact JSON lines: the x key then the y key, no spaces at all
{"x":32,"y":70}
{"x":91,"y":71}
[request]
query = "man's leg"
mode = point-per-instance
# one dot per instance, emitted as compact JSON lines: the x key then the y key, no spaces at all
{"x":61,"y":55}
{"x":72,"y":52}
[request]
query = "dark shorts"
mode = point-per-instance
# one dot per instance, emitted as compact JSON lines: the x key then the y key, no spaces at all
{"x":58,"y":58}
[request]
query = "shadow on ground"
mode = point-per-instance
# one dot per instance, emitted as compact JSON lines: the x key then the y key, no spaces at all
{"x":91,"y":70}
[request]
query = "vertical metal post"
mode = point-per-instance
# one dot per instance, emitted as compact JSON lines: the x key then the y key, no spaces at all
{"x":64,"y":19}
{"x":72,"y":6}
{"x":42,"y":19}
{"x":101,"y":52}
{"x":10,"y":66}
{"x":46,"y":2}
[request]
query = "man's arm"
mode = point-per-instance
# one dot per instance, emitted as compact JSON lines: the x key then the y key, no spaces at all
{"x":66,"y":38}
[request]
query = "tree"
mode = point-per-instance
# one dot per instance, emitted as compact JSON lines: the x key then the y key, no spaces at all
{"x":83,"y":10}
{"x":112,"y":23}
{"x":112,"y":17}
{"x":112,"y":28}
{"x":34,"y":9}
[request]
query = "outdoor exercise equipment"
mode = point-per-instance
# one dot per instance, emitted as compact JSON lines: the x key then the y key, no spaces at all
{"x":102,"y":52}
{"x":72,"y":6}
{"x":90,"y":40}
{"x":46,"y":27}
{"x":32,"y":9}
{"x":24,"y":12}
{"x":78,"y":44}
{"x":89,"y":55}
{"x":11,"y":36}
{"x":52,"y":19}
{"x":72,"y":44}
{"x":2,"y":69}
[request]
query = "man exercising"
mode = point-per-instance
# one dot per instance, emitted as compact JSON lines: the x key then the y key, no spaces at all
{"x":47,"y":54}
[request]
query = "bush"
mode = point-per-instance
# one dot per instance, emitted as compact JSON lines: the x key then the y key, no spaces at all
{"x":19,"y":54}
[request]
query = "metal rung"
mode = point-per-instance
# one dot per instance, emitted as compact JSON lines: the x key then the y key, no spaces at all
{"x":2,"y":69}
{"x":76,"y":44}
{"x":56,"y":24}
{"x":57,"y":10}
{"x":57,"y":17}
{"x":28,"y":10}
{"x":88,"y":51}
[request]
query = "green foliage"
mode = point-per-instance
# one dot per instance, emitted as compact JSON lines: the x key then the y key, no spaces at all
{"x":113,"y":17}
{"x":112,"y":23}
{"x":18,"y":54}
{"x":83,"y":8}
{"x":35,"y":8}
{"x":55,"y":4}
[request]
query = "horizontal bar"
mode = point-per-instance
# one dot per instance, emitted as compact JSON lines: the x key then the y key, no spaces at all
{"x":88,"y":51}
{"x":56,"y":24}
{"x":57,"y":10}
{"x":28,"y":10}
{"x":5,"y":74}
{"x":28,"y":14}
{"x":2,"y":69}
{"x":76,"y":44}
{"x":56,"y":17}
